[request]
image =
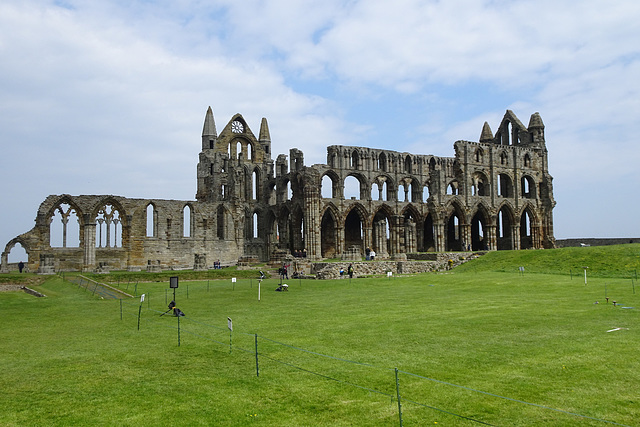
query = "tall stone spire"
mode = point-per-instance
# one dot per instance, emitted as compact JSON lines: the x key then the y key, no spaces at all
{"x":209,"y":132}
{"x":536,"y":128}
{"x":535,"y":121}
{"x":486,"y":135}
{"x":265,"y":136}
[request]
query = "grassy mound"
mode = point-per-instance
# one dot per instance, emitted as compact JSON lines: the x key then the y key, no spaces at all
{"x":621,"y":261}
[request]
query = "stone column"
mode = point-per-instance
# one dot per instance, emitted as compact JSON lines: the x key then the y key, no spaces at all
{"x":515,"y":232}
{"x":492,"y":244}
{"x":4,"y":263}
{"x":312,"y":223}
{"x":89,"y":261}
{"x":466,"y":236}
{"x":65,"y":220}
{"x":438,"y":229}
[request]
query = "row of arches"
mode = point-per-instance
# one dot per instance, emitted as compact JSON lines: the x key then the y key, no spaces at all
{"x":479,"y":156}
{"x":410,"y":232}
{"x":409,"y":189}
{"x":65,"y":223}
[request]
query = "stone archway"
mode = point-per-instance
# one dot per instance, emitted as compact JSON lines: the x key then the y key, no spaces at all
{"x":328,"y":235}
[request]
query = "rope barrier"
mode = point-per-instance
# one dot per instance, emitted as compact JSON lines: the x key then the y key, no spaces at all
{"x":155,"y":323}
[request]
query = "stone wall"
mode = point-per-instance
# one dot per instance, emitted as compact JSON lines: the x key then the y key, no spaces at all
{"x":566,"y":243}
{"x":331,"y":270}
{"x":493,"y":194}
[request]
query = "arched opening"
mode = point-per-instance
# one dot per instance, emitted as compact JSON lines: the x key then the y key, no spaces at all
{"x":479,"y":185}
{"x":271,"y":233}
{"x":382,"y":162}
{"x":109,"y":227}
{"x":478,"y":232}
{"x":271,"y":193}
{"x":355,"y":160}
{"x":528,"y":187}
{"x":152,"y":220}
{"x":504,"y":159}
{"x":326,"y":187}
{"x":18,"y":254}
{"x":254,"y":225}
{"x":429,"y":241}
{"x":526,"y":230}
{"x":223,"y":222}
{"x":425,"y":193}
{"x":351,"y":188}
{"x":353,"y":234}
{"x":408,"y":164}
{"x":296,"y":231}
{"x":64,"y":228}
{"x":454,"y":232}
{"x":186,"y":221}
{"x":403,"y":193}
{"x":504,"y":227}
{"x":254,"y":185}
{"x":328,"y":235}
{"x":379,"y":190}
{"x":249,"y":151}
{"x":505,"y":186}
{"x":452,"y":188}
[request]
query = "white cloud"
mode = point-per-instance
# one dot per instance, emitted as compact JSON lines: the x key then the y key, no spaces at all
{"x":110,"y":96}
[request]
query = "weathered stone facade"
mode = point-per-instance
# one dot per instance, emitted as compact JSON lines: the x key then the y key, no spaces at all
{"x":493,"y":194}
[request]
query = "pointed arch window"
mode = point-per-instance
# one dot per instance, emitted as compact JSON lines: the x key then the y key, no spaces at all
{"x":186,"y":221}
{"x":64,"y":229}
{"x":109,"y":227}
{"x":152,"y":221}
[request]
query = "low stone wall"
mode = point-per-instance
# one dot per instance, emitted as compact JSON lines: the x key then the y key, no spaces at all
{"x":331,"y":270}
{"x":566,"y":243}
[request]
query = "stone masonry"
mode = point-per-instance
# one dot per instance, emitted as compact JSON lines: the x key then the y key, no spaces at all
{"x":493,"y":194}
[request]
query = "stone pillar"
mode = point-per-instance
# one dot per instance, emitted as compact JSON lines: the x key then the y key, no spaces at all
{"x":466,"y":236}
{"x":515,"y":232}
{"x":65,"y":220}
{"x":492,"y":243}
{"x":89,"y":261}
{"x":4,"y":263}
{"x":439,"y":237}
{"x":47,"y":264}
{"x":312,"y":222}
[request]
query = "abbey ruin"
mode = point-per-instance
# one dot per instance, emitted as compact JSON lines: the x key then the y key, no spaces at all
{"x":493,"y":194}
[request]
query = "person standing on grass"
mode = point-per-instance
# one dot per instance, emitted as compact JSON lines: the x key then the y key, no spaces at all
{"x":350,"y":271}
{"x":21,"y":266}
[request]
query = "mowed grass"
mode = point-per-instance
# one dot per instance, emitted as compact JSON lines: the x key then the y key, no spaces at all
{"x":461,"y":341}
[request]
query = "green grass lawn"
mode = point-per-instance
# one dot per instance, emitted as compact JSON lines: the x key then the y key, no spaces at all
{"x":461,"y":342}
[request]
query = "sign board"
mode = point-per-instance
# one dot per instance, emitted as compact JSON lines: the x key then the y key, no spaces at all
{"x":230,"y":323}
{"x":389,"y":274}
{"x":233,"y":280}
{"x":142,"y":298}
{"x":173,"y":282}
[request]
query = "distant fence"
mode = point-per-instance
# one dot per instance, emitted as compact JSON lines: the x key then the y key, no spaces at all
{"x":261,"y":348}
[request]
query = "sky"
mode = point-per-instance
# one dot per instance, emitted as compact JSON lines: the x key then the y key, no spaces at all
{"x":109,"y":97}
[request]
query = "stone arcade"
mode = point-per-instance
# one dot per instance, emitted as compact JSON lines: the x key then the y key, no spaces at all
{"x":493,"y":194}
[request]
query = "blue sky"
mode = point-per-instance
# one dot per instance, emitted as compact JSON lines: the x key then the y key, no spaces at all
{"x":109,"y":97}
